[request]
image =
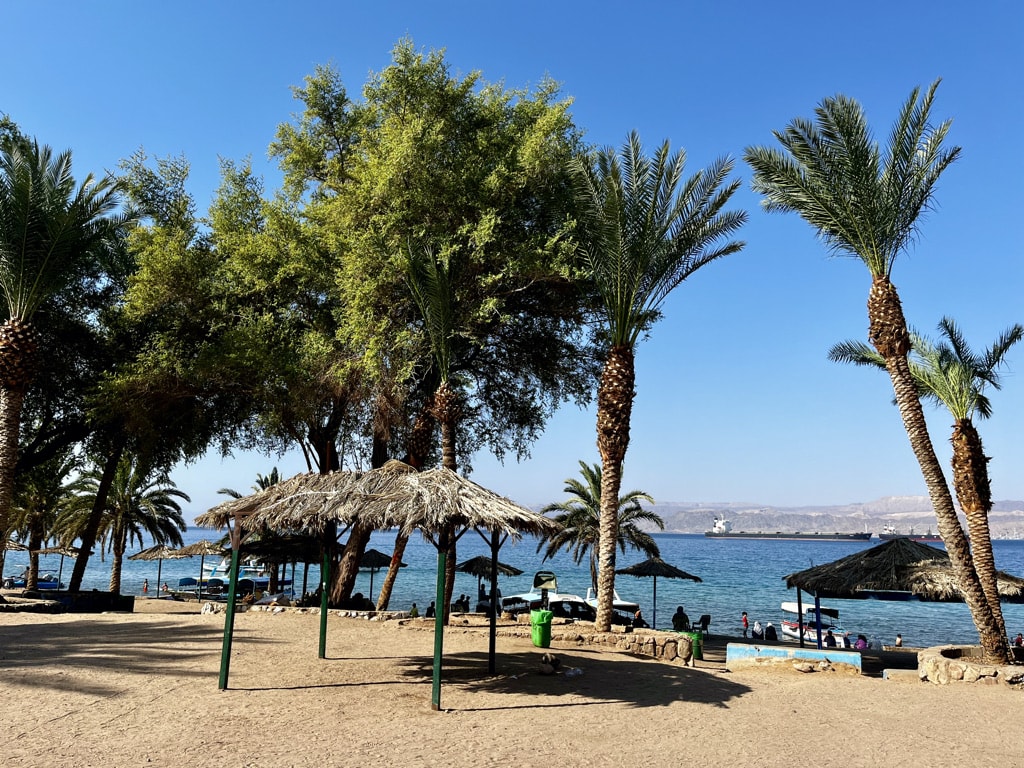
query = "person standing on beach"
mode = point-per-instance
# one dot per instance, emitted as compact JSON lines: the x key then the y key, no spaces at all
{"x":746,"y":624}
{"x":145,"y":586}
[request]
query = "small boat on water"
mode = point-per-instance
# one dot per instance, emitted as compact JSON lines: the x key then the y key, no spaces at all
{"x":722,"y":529}
{"x":890,"y":532}
{"x":45,"y":581}
{"x":793,"y":625}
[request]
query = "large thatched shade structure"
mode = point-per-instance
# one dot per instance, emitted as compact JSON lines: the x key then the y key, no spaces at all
{"x":655,"y":567}
{"x":394,"y":496}
{"x":893,"y":568}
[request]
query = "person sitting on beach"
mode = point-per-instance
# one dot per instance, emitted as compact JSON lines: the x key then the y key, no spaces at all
{"x":770,"y":633}
{"x":757,"y":633}
{"x":414,"y":612}
{"x":638,"y":621}
{"x":899,"y":640}
{"x":861,"y":643}
{"x":830,"y":639}
{"x":680,"y":621}
{"x":429,"y":613}
{"x":1019,"y":640}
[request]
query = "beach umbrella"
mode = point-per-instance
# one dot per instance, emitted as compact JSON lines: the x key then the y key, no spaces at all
{"x":654,"y":568}
{"x":897,"y":569}
{"x":441,"y":503}
{"x":203,"y":547}
{"x":158,"y":552}
{"x":71,"y":552}
{"x":481,"y":566}
{"x":373,"y":560}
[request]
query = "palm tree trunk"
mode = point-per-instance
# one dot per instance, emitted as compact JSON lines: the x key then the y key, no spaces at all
{"x":11,"y":400}
{"x":974,"y":492}
{"x":115,"y":568}
{"x":358,"y":537}
{"x":447,"y":421}
{"x":389,"y":580}
{"x":888,"y":333}
{"x":88,"y":535}
{"x":614,"y":410}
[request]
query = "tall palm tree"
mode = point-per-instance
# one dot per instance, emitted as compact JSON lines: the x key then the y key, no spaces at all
{"x":866,"y":204}
{"x":141,"y":503}
{"x":644,"y":230}
{"x":50,"y":234}
{"x":952,"y":375}
{"x":580,"y":518}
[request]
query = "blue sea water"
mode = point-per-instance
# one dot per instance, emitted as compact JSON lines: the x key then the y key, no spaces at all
{"x":737,"y":576}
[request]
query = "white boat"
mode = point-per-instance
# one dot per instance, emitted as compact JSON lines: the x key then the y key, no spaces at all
{"x":793,"y":624}
{"x":565,"y":604}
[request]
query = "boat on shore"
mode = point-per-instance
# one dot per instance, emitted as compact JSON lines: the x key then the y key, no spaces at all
{"x":45,"y":581}
{"x":722,"y":529}
{"x":793,"y":625}
{"x":890,"y":532}
{"x":564,"y":604}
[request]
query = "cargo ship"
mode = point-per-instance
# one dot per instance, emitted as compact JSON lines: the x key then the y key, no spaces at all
{"x":722,"y":529}
{"x":889,"y":533}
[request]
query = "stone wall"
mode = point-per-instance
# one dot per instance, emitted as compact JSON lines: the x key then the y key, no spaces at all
{"x":946,"y":664}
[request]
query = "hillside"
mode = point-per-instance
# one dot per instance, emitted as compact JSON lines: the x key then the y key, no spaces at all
{"x":1006,"y":519}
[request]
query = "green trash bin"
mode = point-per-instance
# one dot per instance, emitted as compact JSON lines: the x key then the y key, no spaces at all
{"x":696,"y":643}
{"x":540,"y":628}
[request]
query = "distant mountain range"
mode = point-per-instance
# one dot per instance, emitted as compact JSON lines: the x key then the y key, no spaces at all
{"x":1006,"y":520}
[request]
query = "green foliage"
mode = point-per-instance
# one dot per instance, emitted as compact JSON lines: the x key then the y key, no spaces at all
{"x":580,"y":518}
{"x":861,"y":201}
{"x":646,"y":229}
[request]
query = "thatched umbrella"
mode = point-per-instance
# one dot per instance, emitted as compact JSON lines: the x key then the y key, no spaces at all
{"x":482,"y":567}
{"x":308,"y":502}
{"x":396,"y":495}
{"x":898,"y":569}
{"x":203,"y":547}
{"x":895,"y":569}
{"x":158,"y":552}
{"x":656,"y":567}
{"x":438,"y":502}
{"x":373,"y":560}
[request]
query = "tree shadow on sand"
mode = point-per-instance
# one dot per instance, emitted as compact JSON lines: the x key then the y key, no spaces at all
{"x":29,"y":653}
{"x":601,"y":678}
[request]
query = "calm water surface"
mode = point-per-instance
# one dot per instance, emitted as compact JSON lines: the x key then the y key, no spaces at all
{"x":738,"y":575}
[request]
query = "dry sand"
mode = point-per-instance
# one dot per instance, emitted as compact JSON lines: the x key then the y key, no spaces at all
{"x":141,"y":690}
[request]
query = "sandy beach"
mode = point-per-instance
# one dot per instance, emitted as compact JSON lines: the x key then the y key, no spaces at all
{"x":140,"y":689}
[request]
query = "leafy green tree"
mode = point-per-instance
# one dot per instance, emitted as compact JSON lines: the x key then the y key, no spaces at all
{"x":141,"y":503}
{"x":52,"y":232}
{"x":952,"y":375}
{"x":866,"y":203}
{"x":645,"y":230}
{"x":580,"y":518}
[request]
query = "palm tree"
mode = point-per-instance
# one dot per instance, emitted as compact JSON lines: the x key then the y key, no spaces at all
{"x":952,"y":375}
{"x":141,"y":503}
{"x":580,"y":518}
{"x":41,"y":495}
{"x":863,"y":204}
{"x":644,"y":230}
{"x":50,"y":235}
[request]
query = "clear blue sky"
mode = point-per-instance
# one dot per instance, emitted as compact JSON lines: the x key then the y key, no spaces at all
{"x":736,"y":400}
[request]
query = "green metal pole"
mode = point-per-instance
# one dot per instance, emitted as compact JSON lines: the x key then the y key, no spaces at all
{"x":442,"y":556}
{"x":325,"y":581}
{"x":229,"y":616}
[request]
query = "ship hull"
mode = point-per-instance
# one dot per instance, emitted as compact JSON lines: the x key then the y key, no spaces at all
{"x":927,"y":538}
{"x":780,"y":536}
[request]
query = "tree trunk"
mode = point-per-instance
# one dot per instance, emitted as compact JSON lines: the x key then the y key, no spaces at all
{"x":447,"y":421}
{"x":974,"y":492}
{"x":614,"y":410}
{"x":11,"y":400}
{"x":358,"y":537}
{"x":88,"y":536}
{"x":419,"y":444}
{"x":888,"y":333}
{"x":115,"y":568}
{"x":35,"y":543}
